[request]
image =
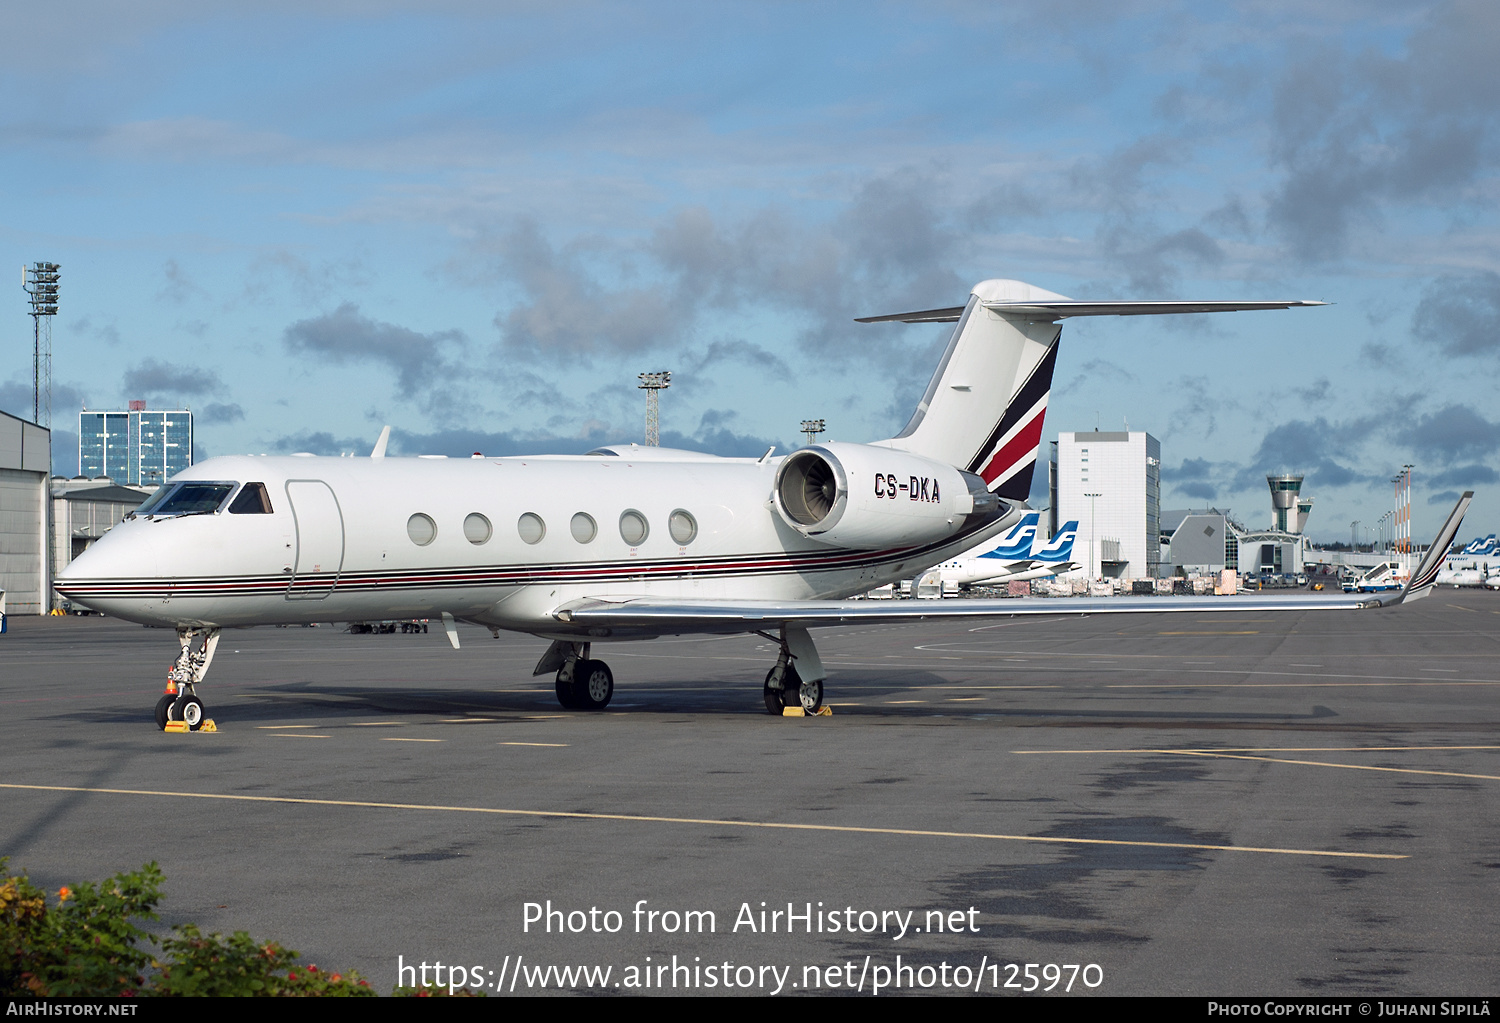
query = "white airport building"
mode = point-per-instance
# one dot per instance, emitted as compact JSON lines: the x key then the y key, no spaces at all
{"x":1210,"y":540}
{"x":1110,"y":482}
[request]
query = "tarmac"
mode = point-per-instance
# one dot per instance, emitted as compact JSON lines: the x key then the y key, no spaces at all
{"x":1260,"y":804}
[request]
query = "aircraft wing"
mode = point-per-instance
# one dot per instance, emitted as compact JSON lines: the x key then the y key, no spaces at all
{"x":663,"y":616}
{"x":667,"y":616}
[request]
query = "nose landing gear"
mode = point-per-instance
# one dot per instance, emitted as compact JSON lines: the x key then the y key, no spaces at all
{"x":180,"y":703}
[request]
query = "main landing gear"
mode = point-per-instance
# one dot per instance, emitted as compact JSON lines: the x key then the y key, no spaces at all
{"x":797,"y":684}
{"x":582,"y":683}
{"x":180,"y":702}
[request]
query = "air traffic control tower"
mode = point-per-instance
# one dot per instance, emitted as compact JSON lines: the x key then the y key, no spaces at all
{"x":1288,"y":511}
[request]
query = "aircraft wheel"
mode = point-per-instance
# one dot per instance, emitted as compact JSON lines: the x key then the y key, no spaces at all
{"x":594,"y":685}
{"x":809,"y":694}
{"x":776,"y":699}
{"x":164,"y":710}
{"x":566,"y":689}
{"x":189,"y":710}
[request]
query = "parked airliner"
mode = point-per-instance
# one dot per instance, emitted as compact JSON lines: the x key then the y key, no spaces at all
{"x":1475,"y":565}
{"x":1015,"y":557}
{"x":627,"y":542}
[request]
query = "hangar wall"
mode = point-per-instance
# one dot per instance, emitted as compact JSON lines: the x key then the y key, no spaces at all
{"x":25,"y":469}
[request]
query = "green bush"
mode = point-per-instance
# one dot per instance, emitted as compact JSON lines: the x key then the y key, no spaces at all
{"x":88,"y":945}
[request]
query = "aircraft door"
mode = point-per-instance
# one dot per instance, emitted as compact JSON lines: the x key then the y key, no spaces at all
{"x":320,"y":539}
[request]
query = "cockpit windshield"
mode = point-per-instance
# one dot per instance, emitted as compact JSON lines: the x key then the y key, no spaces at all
{"x":190,"y":498}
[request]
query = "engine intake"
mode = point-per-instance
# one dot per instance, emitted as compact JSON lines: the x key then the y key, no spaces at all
{"x":860,"y":496}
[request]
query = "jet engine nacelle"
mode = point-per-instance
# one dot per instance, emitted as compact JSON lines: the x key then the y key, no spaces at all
{"x":863,"y":497}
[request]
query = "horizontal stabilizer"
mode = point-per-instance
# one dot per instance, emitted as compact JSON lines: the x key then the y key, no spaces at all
{"x":1058,"y":310}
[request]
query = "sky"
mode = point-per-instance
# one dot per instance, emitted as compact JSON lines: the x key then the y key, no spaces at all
{"x":479,"y":221}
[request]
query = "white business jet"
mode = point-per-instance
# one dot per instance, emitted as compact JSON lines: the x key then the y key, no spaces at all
{"x":627,"y":542}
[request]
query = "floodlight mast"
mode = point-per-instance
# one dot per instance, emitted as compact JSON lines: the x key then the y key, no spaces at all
{"x":811,"y":428}
{"x":39,"y":281}
{"x":652,"y":384}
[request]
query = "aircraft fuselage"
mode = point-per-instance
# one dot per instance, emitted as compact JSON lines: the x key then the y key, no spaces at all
{"x":500,"y":542}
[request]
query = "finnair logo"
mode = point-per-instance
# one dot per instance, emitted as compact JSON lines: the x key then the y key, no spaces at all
{"x":1060,"y":547}
{"x":1017,"y":543}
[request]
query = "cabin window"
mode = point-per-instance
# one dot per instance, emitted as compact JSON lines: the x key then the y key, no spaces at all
{"x":683,"y":527}
{"x":531,"y":527}
{"x":633,"y":528}
{"x":253,"y":500}
{"x":477,"y":528}
{"x":584,"y":528}
{"x":421,"y":529}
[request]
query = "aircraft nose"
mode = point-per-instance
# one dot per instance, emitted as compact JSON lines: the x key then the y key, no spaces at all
{"x":117,"y":555}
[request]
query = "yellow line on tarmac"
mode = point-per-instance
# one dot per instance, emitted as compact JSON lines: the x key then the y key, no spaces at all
{"x":710,"y":822}
{"x":534,"y":744}
{"x":296,"y":735}
{"x":393,"y":738}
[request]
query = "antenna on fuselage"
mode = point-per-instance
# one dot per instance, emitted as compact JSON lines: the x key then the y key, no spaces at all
{"x":385,"y":438}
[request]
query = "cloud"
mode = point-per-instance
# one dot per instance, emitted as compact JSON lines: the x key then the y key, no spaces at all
{"x":345,"y":336}
{"x":1354,"y":132}
{"x":1466,"y":476}
{"x":16,"y":397}
{"x":736,"y":350}
{"x":177,"y":288}
{"x":219,"y":413}
{"x":1451,"y":433}
{"x":321,"y":443}
{"x":567,"y":312}
{"x":1460,"y":314}
{"x":156,"y":378}
{"x":1317,"y":448}
{"x":1191,"y":478}
{"x":715,"y":437}
{"x":890,"y":248}
{"x":1318,"y":391}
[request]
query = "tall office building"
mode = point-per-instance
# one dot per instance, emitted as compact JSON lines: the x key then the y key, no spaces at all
{"x":1111,"y":484}
{"x":140,"y":447}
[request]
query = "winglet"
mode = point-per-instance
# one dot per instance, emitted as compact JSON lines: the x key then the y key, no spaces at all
{"x":385,"y":438}
{"x":1425,"y":576}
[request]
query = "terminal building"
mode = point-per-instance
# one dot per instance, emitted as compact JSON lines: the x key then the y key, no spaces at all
{"x":1110,"y":482}
{"x":138,"y":447}
{"x":1210,"y":540}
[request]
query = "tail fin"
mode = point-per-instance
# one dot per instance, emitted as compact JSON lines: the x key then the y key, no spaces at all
{"x":1016,"y":544}
{"x":1425,"y":576}
{"x":1060,"y":547}
{"x":984,"y":408}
